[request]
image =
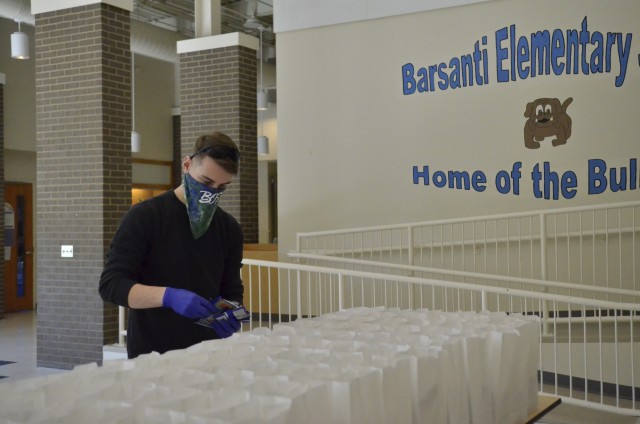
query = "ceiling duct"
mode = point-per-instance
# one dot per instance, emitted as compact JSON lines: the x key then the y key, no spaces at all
{"x":176,"y":17}
{"x":152,"y":41}
{"x":17,"y":10}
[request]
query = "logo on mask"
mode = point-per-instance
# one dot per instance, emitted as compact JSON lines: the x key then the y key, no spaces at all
{"x":209,"y":198}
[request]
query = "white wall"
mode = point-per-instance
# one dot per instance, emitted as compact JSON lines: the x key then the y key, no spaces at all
{"x":154,"y":99}
{"x":263,"y":202}
{"x":267,"y":125}
{"x":269,"y":116}
{"x":299,"y":14}
{"x":348,"y":138}
{"x":19,"y":90}
{"x":20,"y":166}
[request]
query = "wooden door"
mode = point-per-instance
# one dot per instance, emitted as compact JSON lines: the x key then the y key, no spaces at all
{"x":18,"y":251}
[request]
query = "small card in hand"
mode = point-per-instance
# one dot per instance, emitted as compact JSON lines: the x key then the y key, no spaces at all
{"x":224,"y":305}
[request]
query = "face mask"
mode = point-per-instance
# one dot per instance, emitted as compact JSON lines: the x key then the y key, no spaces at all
{"x":202,"y":202}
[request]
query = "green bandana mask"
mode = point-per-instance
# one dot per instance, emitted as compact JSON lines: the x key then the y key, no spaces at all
{"x":202,"y":202}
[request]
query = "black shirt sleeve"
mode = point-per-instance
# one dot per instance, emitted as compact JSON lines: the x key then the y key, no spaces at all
{"x":127,"y":250}
{"x":231,"y":287}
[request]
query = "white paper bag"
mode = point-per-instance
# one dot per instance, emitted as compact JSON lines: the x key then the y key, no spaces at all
{"x":509,"y":404}
{"x":457,"y":398}
{"x":477,"y":378}
{"x":263,"y":409}
{"x":429,"y":388}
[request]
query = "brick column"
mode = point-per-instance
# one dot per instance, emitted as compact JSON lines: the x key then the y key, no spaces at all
{"x":218,"y":93}
{"x":83,"y":120}
{"x":2,"y":282}
{"x":176,"y":168}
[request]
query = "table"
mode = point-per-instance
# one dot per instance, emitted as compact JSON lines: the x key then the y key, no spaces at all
{"x":545,"y":404}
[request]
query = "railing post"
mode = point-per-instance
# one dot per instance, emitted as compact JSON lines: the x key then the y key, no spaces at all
{"x":298,"y":296}
{"x":410,"y":244}
{"x":543,"y":272}
{"x":483,"y":300}
{"x":120,"y":325}
{"x":340,"y":299}
{"x":411,"y":262}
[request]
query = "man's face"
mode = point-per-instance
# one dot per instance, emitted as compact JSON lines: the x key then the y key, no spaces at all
{"x":206,"y":171}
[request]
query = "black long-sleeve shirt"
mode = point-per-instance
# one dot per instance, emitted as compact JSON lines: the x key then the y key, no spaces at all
{"x":154,"y":246}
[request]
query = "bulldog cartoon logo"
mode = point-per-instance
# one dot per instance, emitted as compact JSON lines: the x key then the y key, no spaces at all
{"x":547,"y":118}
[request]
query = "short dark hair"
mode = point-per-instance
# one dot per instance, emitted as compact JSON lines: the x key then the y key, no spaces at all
{"x":219,"y":147}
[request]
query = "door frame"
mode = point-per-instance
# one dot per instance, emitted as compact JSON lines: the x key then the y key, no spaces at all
{"x":12,"y":303}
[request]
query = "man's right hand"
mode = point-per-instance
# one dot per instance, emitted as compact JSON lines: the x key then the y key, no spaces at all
{"x":187,"y":303}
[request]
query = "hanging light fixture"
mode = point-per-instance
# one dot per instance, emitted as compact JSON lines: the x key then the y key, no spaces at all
{"x":262,"y":99}
{"x":263,"y":145}
{"x":135,"y":136}
{"x":252,"y":23}
{"x":135,"y":141}
{"x":263,"y":141}
{"x":262,"y":95}
{"x":19,"y":44}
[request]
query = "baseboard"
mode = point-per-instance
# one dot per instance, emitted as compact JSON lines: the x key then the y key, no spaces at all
{"x":588,"y":313}
{"x":273,"y":318}
{"x":592,"y":386}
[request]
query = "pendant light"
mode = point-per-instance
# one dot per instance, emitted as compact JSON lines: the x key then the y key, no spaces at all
{"x":262,"y":100}
{"x":263,"y":145}
{"x":262,"y":95}
{"x":135,"y":136}
{"x":19,"y":44}
{"x":252,"y":23}
{"x":263,"y":141}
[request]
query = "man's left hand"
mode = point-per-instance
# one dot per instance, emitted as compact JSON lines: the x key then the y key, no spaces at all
{"x":225,"y":325}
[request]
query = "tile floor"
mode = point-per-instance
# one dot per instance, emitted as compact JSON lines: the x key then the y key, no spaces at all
{"x":18,"y":350}
{"x":18,"y":345}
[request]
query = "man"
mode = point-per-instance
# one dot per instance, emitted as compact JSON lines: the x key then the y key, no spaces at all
{"x":176,"y":252}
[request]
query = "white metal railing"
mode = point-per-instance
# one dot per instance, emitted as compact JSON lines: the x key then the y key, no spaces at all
{"x":589,"y":357}
{"x":530,"y":284}
{"x":590,"y":245}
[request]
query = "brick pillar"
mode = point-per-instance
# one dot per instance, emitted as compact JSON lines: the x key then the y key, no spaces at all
{"x":176,"y":168}
{"x":83,"y":123}
{"x":2,"y":81}
{"x":218,"y":93}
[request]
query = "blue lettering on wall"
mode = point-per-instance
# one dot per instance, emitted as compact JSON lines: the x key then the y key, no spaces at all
{"x":460,"y":71}
{"x":502,"y":53}
{"x":521,"y":56}
{"x":626,"y":178}
{"x":597,"y":180}
{"x":460,"y":180}
{"x":557,"y":52}
{"x":547,"y":183}
{"x":408,"y":82}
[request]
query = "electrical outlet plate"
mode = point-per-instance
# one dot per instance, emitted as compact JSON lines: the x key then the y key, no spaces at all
{"x":66,"y":251}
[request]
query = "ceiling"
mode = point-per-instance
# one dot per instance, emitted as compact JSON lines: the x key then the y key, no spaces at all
{"x":237,"y":16}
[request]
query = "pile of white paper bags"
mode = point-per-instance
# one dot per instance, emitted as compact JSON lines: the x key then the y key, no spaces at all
{"x":365,"y":365}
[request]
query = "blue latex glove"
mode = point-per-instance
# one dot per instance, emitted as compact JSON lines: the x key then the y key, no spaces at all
{"x":225,"y":327}
{"x":187,"y":303}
